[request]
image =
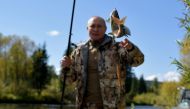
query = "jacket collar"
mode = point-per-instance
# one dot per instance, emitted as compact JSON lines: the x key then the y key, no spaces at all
{"x":106,"y":40}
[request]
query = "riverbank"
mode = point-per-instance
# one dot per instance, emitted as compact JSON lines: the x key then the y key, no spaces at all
{"x":53,"y":106}
{"x":29,"y":102}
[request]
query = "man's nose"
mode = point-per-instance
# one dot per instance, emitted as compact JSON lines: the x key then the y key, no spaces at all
{"x":96,"y":28}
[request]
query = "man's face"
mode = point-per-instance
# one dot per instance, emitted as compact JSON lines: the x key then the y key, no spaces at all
{"x":96,"y":28}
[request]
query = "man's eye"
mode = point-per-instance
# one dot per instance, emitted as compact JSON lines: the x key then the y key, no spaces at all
{"x":96,"y":26}
{"x":92,"y":26}
{"x":99,"y":26}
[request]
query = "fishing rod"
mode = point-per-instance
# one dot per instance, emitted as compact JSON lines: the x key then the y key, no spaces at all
{"x":65,"y":70}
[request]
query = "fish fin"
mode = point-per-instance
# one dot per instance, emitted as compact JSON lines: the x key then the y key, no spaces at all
{"x":123,"y":20}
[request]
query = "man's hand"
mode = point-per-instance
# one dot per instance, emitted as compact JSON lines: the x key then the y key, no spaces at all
{"x":65,"y":62}
{"x":126,"y":44}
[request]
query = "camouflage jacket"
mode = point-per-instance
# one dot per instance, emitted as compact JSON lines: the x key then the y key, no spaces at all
{"x":112,"y":60}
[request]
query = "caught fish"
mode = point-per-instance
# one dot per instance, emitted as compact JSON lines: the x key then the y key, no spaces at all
{"x":117,"y":25}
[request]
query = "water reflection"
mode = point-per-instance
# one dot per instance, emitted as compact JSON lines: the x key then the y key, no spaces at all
{"x":46,"y":106}
{"x":33,"y":106}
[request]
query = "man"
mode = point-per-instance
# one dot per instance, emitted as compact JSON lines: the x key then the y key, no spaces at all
{"x":99,"y":68}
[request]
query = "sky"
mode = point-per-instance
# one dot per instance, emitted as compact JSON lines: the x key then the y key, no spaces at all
{"x":153,"y":24}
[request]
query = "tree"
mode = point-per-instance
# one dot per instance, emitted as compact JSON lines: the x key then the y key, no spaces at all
{"x":134,"y":86}
{"x":183,"y":64}
{"x":133,"y":89}
{"x":15,"y":63}
{"x":142,"y":85}
{"x":4,"y":44}
{"x":168,"y":94}
{"x":129,"y":78}
{"x":155,"y":86}
{"x":19,"y":63}
{"x":52,"y":72}
{"x":40,"y":74}
{"x":18,"y":56}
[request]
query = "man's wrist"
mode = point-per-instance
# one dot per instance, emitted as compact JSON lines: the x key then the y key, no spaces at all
{"x":131,"y":49}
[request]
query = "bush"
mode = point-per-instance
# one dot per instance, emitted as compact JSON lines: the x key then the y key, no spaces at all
{"x":168,"y":94}
{"x":145,"y":99}
{"x":52,"y":91}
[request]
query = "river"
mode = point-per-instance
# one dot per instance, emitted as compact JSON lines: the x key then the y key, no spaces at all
{"x":44,"y":106}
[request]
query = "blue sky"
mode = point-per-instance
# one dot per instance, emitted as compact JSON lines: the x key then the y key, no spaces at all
{"x":153,"y":26}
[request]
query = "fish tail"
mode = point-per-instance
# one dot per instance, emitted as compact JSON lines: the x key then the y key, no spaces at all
{"x":118,"y":21}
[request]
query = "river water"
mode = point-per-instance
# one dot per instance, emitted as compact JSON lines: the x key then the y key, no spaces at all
{"x":44,"y":106}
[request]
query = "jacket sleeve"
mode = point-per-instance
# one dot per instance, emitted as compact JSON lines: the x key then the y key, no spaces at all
{"x":133,"y":57}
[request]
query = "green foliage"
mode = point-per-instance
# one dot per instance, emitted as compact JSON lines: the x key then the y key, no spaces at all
{"x":15,"y":61}
{"x":17,"y":69}
{"x":183,"y":65}
{"x":180,"y":66}
{"x":186,"y":3}
{"x":52,"y":91}
{"x":129,"y":78}
{"x":155,"y":86}
{"x":40,"y":69}
{"x":142,"y":85}
{"x":2,"y":86}
{"x":168,"y":94}
{"x":186,"y":19}
{"x":185,"y":45}
{"x":145,"y":98}
{"x":70,"y":93}
{"x":133,"y":91}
